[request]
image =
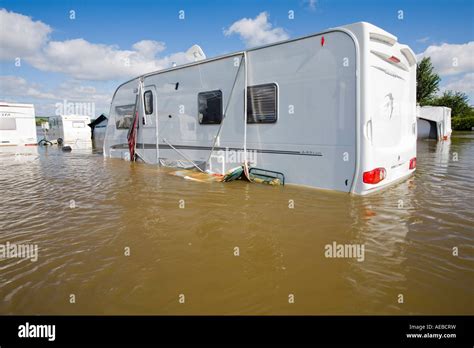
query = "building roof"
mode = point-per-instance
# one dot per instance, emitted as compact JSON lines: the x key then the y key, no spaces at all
{"x":99,"y":119}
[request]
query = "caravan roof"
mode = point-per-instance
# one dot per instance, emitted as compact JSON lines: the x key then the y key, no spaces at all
{"x":376,"y":34}
{"x":16,"y":105}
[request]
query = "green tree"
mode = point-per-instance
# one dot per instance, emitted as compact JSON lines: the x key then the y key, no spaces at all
{"x":457,"y":101}
{"x":427,"y":82}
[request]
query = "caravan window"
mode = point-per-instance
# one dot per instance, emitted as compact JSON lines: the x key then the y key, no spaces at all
{"x":148,"y":96}
{"x":210,"y":107}
{"x":124,"y":116}
{"x":78,"y":124}
{"x":7,"y":124}
{"x":262,"y":103}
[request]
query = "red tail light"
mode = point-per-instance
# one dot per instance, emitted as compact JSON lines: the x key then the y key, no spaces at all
{"x":413,"y":163}
{"x":375,"y":176}
{"x":394,"y":59}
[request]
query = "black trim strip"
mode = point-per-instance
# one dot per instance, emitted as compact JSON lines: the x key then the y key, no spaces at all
{"x":208,"y":148}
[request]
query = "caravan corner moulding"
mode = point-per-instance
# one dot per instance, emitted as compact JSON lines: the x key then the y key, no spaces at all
{"x":17,"y":124}
{"x":334,"y":110}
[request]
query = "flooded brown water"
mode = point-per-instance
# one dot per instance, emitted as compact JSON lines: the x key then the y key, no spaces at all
{"x":84,"y":213}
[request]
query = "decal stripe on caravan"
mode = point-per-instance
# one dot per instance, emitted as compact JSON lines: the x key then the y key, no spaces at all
{"x":188,"y":147}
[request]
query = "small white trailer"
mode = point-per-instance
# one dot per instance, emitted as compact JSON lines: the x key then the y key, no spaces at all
{"x":17,"y":124}
{"x":334,"y":110}
{"x":434,"y":122}
{"x":69,"y":129}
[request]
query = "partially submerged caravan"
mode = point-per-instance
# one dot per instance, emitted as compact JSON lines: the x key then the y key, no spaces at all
{"x":334,"y":110}
{"x":434,"y":122}
{"x":69,"y":129}
{"x":98,"y":127}
{"x":17,"y":124}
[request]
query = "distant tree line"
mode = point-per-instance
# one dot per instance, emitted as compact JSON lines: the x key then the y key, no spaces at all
{"x":427,"y":86}
{"x":40,"y":120}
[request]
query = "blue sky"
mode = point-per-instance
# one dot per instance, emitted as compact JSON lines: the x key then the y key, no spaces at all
{"x":113,"y":27}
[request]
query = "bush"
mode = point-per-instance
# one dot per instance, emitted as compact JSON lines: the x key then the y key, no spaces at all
{"x":457,"y":101}
{"x":462,"y":123}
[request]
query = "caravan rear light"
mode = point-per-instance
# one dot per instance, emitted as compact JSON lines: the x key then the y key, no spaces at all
{"x":413,"y":163}
{"x":394,"y":59}
{"x":374,"y":176}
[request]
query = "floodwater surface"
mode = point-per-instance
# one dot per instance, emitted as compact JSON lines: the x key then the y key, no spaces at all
{"x":115,"y":237}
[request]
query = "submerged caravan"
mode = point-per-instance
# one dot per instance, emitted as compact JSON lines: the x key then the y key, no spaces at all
{"x":17,"y":124}
{"x":334,"y":110}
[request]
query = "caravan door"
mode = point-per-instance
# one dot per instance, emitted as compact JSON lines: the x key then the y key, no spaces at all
{"x":147,"y":136}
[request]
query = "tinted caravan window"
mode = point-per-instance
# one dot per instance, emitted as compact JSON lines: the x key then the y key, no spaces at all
{"x":148,"y":102}
{"x":262,"y":103}
{"x":210,"y":107}
{"x":124,"y":116}
{"x":78,"y":124}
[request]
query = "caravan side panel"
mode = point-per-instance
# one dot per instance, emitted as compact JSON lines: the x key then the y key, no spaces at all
{"x":75,"y":129}
{"x":17,"y":124}
{"x":180,"y":132}
{"x":313,"y":141}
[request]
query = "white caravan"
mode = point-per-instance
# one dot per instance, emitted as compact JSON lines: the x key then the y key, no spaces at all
{"x":69,"y":129}
{"x":17,"y":124}
{"x":334,"y":110}
{"x":434,"y":122}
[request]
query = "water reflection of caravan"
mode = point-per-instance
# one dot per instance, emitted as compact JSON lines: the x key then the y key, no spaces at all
{"x":334,"y":110}
{"x":17,"y":124}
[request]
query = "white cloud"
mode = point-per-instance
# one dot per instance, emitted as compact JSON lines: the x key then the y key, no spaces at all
{"x":18,"y":89}
{"x":451,"y":59}
{"x":464,"y":83}
{"x":455,"y":64}
{"x":311,"y":4}
{"x":423,"y":39}
{"x":13,"y":86}
{"x":149,"y":48}
{"x":257,"y":31}
{"x":20,"y":36}
{"x":78,"y":59}
{"x":84,"y":60}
